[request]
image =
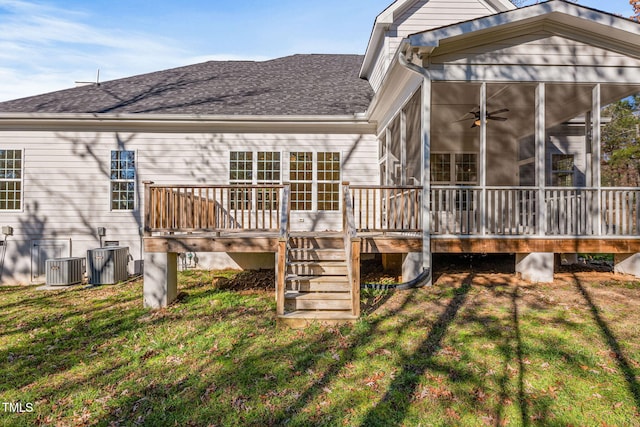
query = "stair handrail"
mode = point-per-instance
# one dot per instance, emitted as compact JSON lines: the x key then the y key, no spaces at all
{"x":282,"y":254}
{"x":351,"y":247}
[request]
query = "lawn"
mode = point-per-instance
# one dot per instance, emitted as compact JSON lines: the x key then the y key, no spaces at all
{"x":477,"y":349}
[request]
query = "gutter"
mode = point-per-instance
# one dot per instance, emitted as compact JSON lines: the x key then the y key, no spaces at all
{"x":356,"y":123}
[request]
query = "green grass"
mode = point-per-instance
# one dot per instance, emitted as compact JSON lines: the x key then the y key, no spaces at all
{"x":474,"y":350}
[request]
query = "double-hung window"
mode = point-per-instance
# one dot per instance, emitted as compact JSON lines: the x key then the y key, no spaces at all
{"x":10,"y":180}
{"x":562,"y":170}
{"x":454,"y":168}
{"x":123,"y":180}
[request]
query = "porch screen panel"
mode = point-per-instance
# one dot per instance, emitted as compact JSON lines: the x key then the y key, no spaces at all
{"x":382,"y":150}
{"x":395,"y":152}
{"x":414,"y":139}
{"x":301,"y":178}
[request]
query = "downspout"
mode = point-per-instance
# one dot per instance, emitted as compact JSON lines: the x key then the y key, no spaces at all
{"x":425,"y":277}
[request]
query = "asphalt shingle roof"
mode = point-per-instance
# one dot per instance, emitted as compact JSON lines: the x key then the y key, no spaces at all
{"x":293,"y":85}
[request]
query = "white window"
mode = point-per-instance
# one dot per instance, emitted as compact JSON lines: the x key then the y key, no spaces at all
{"x":10,"y":180}
{"x":240,"y":173}
{"x":268,"y":172}
{"x":123,"y":180}
{"x":301,"y":177}
{"x":562,"y":170}
{"x":458,"y":168}
{"x":249,"y":168}
{"x":328,"y":181}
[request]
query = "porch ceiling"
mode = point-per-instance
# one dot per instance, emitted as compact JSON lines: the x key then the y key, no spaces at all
{"x":452,"y":102}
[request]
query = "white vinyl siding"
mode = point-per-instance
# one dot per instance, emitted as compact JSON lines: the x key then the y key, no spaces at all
{"x":11,"y":180}
{"x":123,"y":180}
{"x":66,"y":180}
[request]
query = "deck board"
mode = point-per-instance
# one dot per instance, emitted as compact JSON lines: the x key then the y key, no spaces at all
{"x":396,"y":243}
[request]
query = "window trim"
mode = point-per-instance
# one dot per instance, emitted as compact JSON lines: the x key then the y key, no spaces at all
{"x":134,"y":180}
{"x":21,"y":181}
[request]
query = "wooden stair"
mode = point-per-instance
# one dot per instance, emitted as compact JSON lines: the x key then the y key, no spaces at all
{"x":317,"y":284}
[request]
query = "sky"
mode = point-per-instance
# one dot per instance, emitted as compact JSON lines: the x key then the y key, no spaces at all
{"x":47,"y":45}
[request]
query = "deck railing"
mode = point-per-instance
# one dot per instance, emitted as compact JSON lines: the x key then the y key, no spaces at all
{"x":386,"y":208}
{"x":187,"y":208}
{"x":620,"y":209}
{"x":454,"y":210}
{"x":457,"y":210}
{"x":351,"y":247}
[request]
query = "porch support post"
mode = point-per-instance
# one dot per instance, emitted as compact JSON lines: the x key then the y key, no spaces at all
{"x":540,"y":127}
{"x":403,"y":147}
{"x":426,"y":174}
{"x":387,"y":142}
{"x":160,"y":286}
{"x":596,"y":137}
{"x":483,"y":158}
{"x":535,"y":267}
{"x":627,"y":264}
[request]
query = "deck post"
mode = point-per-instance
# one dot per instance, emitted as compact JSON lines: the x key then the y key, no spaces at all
{"x":355,"y":275}
{"x":281,"y":271}
{"x":160,"y":287}
{"x":596,"y":136}
{"x":147,"y":207}
{"x":627,"y":264}
{"x":540,"y":137}
{"x":483,"y":159}
{"x":426,"y":174}
{"x":536,"y":266}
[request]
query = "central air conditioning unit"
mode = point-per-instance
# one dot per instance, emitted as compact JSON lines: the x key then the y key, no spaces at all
{"x":64,"y":271}
{"x":107,"y":266}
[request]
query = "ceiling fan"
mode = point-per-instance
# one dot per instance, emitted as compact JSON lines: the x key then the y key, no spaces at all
{"x":490,"y":116}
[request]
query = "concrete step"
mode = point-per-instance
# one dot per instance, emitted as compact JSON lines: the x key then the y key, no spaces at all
{"x":317,"y":268}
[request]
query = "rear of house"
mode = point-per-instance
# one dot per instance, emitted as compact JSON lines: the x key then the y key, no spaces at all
{"x":467,"y":127}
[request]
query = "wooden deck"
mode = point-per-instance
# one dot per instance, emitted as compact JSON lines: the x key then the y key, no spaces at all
{"x":318,"y":273}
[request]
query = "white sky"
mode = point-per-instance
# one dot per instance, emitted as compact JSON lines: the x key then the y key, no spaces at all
{"x":46,"y":45}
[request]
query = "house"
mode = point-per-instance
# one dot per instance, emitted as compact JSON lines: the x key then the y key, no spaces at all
{"x":466,"y":127}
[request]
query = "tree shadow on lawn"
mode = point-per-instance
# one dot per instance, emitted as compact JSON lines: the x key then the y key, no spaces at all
{"x":611,"y":340}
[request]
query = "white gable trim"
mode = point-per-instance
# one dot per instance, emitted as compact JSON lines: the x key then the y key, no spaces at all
{"x":387,"y":17}
{"x":559,"y":11}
